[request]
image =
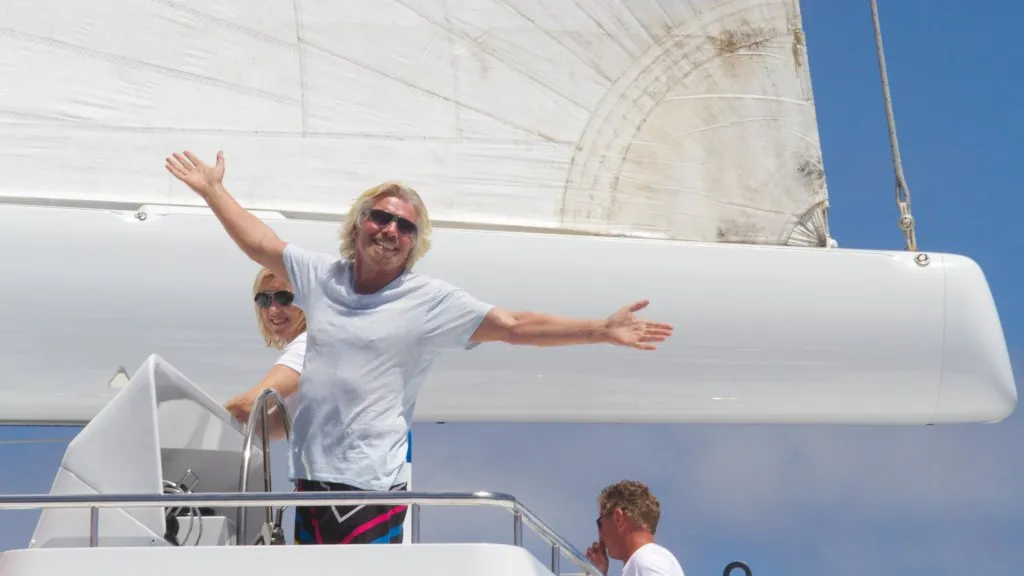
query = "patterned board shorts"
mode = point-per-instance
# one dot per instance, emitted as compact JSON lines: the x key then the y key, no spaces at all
{"x":371,"y":524}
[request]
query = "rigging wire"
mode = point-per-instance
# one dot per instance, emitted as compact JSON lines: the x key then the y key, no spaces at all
{"x":906,"y":221}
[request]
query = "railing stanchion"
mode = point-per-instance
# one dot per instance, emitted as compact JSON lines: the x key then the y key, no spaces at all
{"x":517,"y":527}
{"x":94,"y":526}
{"x":556,"y":558}
{"x":415,"y":511}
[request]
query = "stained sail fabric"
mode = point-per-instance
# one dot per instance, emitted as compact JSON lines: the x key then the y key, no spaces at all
{"x":690,"y":120}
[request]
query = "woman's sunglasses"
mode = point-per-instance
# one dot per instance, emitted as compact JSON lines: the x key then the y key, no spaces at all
{"x":383,"y":219}
{"x":281,"y":297}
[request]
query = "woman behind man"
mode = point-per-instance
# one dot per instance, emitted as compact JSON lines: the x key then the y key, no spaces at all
{"x":283,"y":326}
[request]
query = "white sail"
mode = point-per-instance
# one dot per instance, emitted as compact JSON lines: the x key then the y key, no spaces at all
{"x":688,"y":120}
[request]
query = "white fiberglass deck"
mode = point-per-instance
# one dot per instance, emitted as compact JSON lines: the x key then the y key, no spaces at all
{"x":366,"y":559}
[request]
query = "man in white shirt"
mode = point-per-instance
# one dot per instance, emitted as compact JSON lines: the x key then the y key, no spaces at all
{"x":628,"y":518}
{"x":374,"y":329}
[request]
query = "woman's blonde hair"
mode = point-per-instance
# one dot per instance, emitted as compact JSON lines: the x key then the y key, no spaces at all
{"x":350,"y":227}
{"x":265,"y":331}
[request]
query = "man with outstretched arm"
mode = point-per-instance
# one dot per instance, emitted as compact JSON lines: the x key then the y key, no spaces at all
{"x":374,"y":329}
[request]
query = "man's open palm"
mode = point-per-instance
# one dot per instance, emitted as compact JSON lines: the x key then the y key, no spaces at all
{"x":192,"y":171}
{"x":625,"y":329}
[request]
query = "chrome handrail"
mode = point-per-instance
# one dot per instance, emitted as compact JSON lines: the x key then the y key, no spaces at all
{"x":520,"y":513}
{"x":262,"y":410}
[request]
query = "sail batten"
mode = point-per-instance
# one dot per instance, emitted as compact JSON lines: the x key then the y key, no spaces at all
{"x":648,"y":118}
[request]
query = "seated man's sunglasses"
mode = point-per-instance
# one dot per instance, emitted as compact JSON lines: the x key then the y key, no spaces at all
{"x":383,"y":218}
{"x":282,"y":297}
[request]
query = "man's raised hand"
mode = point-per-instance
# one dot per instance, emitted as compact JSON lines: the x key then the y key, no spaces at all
{"x":199,"y":176}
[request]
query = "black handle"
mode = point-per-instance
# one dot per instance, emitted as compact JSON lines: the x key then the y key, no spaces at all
{"x":734,"y":565}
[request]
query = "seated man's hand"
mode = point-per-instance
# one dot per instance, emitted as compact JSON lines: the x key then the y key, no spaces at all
{"x":598,"y":557}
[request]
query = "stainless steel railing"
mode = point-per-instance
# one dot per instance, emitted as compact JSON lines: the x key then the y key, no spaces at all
{"x":520,"y":513}
{"x":260,"y":413}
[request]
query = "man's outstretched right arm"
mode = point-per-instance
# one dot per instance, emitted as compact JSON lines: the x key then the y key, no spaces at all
{"x":256,"y":239}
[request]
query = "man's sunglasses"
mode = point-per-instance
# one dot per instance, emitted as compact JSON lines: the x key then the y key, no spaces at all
{"x":281,"y":297}
{"x":383,"y":219}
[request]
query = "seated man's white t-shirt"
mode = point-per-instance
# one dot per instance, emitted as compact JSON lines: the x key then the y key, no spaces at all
{"x":652,"y":560}
{"x":292,"y":357}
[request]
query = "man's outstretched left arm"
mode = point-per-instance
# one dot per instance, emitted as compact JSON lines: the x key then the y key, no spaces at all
{"x":535,"y":329}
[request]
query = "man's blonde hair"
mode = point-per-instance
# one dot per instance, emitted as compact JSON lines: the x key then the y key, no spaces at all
{"x":635,"y":500}
{"x":265,"y":331}
{"x":350,"y":227}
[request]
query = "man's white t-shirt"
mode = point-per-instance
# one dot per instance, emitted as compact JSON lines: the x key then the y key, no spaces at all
{"x":367,"y":358}
{"x":292,"y":357}
{"x":652,"y":560}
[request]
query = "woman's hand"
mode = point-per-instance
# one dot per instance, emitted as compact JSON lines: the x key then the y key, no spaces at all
{"x":240,"y":406}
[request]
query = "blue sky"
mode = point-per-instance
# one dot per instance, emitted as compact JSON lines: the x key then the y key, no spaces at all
{"x":796,"y":500}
